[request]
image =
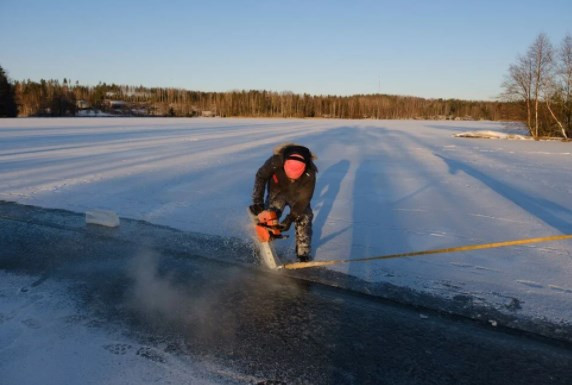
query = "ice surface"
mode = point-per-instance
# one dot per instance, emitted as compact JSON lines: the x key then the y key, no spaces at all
{"x":384,"y":187}
{"x":45,"y":339}
{"x":102,"y":217}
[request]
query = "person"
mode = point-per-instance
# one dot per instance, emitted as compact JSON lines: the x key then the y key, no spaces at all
{"x":290,"y":177}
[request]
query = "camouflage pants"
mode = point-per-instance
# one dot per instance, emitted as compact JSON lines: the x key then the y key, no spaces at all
{"x":303,"y":226}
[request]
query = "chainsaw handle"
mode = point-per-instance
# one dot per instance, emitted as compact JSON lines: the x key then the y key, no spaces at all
{"x":267,"y":226}
{"x":272,"y":235}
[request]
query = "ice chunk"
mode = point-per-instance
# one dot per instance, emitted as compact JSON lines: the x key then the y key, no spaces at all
{"x":486,"y":134}
{"x":102,"y":217}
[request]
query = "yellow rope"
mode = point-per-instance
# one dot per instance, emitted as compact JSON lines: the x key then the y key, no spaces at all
{"x":304,"y":265}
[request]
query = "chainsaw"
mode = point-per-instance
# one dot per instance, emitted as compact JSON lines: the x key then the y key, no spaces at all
{"x":267,"y":226}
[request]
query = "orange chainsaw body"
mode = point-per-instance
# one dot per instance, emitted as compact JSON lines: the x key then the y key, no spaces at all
{"x":266,"y":228}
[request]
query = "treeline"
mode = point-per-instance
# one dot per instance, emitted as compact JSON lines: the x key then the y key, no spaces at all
{"x":55,"y":98}
{"x":541,"y":80}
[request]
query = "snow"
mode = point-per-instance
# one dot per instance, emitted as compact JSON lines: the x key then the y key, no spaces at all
{"x":488,"y":134}
{"x":93,"y":113}
{"x":45,"y":339}
{"x":384,"y":187}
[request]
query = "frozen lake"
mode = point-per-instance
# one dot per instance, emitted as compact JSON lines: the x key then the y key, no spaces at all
{"x":383,"y":187}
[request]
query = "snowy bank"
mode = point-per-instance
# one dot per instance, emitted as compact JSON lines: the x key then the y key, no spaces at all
{"x":487,"y":134}
{"x":93,"y":114}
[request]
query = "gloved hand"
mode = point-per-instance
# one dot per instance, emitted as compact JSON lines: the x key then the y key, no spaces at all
{"x":256,"y":208}
{"x":286,"y":223}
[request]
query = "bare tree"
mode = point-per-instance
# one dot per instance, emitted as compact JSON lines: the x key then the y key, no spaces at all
{"x":551,"y":91}
{"x":557,"y":82}
{"x":541,"y":54}
{"x":518,"y":86}
{"x":543,"y":77}
{"x":547,"y":86}
{"x":564,"y":72}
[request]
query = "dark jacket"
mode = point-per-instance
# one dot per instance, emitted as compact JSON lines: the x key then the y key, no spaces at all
{"x":298,"y":193}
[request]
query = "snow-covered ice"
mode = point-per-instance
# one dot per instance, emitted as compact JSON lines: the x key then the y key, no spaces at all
{"x":46,"y":339}
{"x":383,"y":187}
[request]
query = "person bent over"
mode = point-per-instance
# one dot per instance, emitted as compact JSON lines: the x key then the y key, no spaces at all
{"x":289,"y":175}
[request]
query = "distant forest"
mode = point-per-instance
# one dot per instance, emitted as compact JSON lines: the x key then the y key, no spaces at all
{"x":55,"y":98}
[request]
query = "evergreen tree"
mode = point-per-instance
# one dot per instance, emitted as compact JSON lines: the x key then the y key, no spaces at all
{"x":8,"y":107}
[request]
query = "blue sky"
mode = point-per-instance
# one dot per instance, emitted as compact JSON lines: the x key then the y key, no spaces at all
{"x":440,"y":49}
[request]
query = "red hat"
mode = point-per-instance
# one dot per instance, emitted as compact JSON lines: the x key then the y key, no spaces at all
{"x":294,"y":166}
